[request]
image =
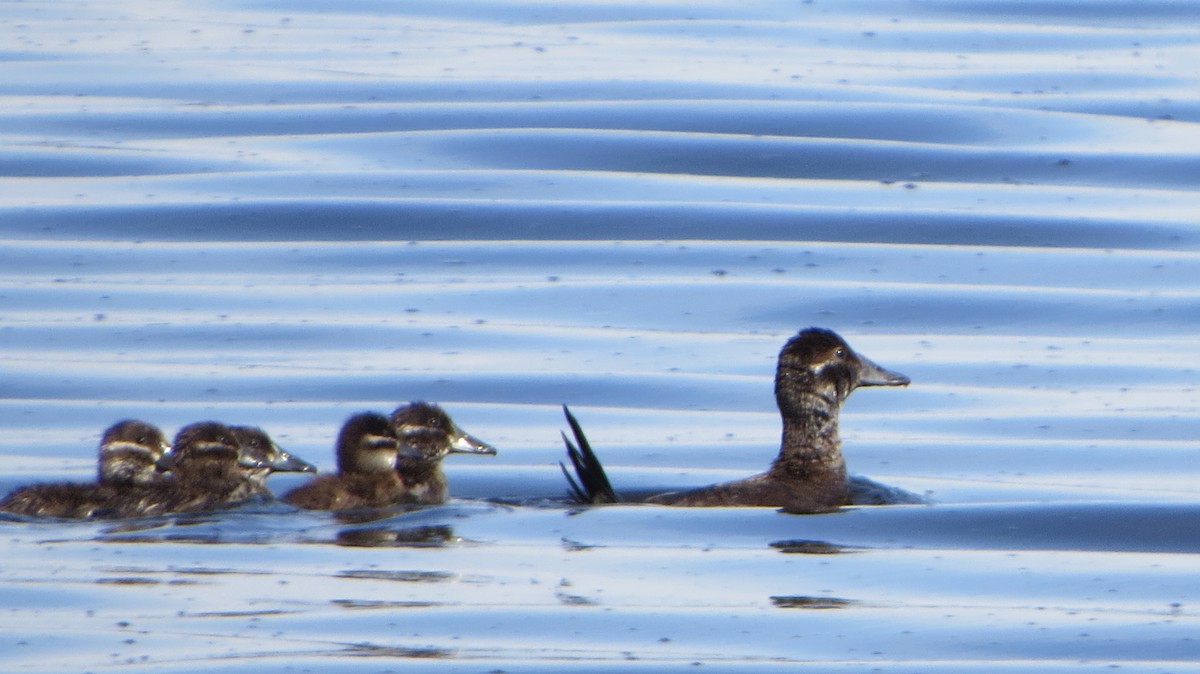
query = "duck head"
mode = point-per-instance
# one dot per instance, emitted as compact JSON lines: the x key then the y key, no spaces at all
{"x":259,"y":454}
{"x":427,"y":433}
{"x":367,"y":444}
{"x":130,"y":451}
{"x":202,"y":444}
{"x":819,"y":362}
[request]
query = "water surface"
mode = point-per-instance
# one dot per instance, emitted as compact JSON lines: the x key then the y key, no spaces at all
{"x":285,"y":213}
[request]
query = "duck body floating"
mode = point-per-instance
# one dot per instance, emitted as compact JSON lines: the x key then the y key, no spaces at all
{"x":816,"y":372}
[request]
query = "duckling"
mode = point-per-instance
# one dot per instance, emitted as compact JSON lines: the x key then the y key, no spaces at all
{"x":211,"y":468}
{"x":426,"y":434}
{"x":366,"y":478}
{"x":817,"y":371}
{"x":206,"y":471}
{"x":129,"y":453}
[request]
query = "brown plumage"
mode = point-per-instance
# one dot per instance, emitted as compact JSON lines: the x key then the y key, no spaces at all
{"x":817,"y":371}
{"x":260,"y":456}
{"x":426,"y":435}
{"x":210,"y":468}
{"x":129,"y":453}
{"x":205,"y":473}
{"x":366,"y":478}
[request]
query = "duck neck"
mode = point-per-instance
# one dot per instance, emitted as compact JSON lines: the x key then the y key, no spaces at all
{"x":810,"y":431}
{"x":423,"y":479}
{"x":414,"y":471}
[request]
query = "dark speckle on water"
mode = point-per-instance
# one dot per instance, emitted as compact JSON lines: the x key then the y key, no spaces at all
{"x":802,"y":547}
{"x":398,"y":576}
{"x":810,"y":602}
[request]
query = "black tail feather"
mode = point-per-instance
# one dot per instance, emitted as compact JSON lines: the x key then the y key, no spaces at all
{"x":577,"y":493}
{"x":592,"y":485}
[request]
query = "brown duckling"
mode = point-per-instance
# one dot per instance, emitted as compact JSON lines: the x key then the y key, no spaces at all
{"x":366,"y":478}
{"x":211,"y":468}
{"x":129,"y":453}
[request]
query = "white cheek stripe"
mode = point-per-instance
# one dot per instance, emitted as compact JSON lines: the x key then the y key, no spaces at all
{"x":125,"y":446}
{"x":409,"y":429}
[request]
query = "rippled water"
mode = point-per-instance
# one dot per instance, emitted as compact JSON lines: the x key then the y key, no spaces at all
{"x":284,"y":213}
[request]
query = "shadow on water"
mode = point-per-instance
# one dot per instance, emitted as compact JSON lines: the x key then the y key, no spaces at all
{"x":279,"y":523}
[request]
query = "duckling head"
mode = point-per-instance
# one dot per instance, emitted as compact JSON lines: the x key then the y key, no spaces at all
{"x":260,"y":456}
{"x":129,"y":453}
{"x":367,"y":444}
{"x":201,"y":445}
{"x":427,"y":433}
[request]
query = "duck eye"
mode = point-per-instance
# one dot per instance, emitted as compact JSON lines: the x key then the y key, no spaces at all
{"x":840,"y":353}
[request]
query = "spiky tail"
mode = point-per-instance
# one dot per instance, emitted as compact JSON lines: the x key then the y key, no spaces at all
{"x":592,"y":485}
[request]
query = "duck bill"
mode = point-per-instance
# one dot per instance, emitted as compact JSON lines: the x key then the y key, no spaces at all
{"x":873,"y":375}
{"x":166,"y":462}
{"x":281,"y":462}
{"x":287,"y":463}
{"x":465,"y":443}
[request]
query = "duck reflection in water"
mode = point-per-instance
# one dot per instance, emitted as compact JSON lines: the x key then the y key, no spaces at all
{"x":817,"y":371}
{"x":413,"y":536}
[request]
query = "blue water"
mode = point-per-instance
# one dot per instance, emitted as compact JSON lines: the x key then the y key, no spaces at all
{"x":285,"y":213}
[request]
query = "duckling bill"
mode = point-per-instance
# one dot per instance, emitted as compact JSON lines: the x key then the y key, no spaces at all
{"x":816,"y":372}
{"x":260,"y":456}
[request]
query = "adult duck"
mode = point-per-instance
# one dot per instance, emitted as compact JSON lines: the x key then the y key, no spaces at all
{"x":817,"y":371}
